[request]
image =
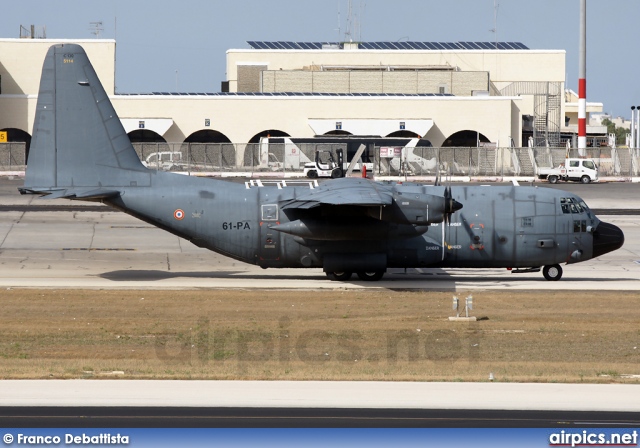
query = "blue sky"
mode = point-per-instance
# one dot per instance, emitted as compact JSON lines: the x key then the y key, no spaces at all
{"x":156,"y":39}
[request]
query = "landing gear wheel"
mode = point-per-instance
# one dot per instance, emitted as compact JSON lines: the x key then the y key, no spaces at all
{"x":553,"y":179}
{"x":339,"y":276}
{"x":552,"y":272}
{"x":585,"y":179}
{"x":373,"y":276}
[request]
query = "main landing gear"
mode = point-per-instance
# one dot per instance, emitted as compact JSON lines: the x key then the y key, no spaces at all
{"x":367,"y":276}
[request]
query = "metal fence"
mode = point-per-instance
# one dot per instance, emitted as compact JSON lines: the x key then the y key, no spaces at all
{"x":285,"y":159}
{"x":13,"y":156}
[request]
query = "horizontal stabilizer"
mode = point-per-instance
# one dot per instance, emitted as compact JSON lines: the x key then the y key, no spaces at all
{"x":70,"y":193}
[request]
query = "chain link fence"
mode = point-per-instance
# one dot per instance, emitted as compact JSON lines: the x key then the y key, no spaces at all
{"x":13,"y":156}
{"x":279,"y":159}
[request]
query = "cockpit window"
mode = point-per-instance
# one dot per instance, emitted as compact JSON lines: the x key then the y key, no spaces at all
{"x":584,"y":206}
{"x":572,"y":205}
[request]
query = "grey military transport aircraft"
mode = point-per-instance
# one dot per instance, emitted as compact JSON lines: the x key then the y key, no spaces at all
{"x":80,"y":151}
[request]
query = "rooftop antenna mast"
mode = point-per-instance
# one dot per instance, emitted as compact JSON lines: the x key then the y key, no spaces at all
{"x":96,"y":29}
{"x":339,"y":25}
{"x":494,"y":30}
{"x":349,"y":17}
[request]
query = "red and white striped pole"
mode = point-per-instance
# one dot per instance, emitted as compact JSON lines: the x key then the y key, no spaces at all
{"x":582,"y":82}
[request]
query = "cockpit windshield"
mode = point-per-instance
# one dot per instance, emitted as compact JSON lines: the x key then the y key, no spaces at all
{"x":573,"y":205}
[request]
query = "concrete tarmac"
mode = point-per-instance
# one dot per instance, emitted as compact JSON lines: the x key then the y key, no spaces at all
{"x":322,"y":394}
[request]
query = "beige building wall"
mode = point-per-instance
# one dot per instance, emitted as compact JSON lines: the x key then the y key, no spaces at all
{"x":505,"y":66}
{"x":370,"y":81}
{"x":228,"y":114}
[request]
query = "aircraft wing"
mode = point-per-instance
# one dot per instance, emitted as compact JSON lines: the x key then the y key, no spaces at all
{"x":346,"y":191}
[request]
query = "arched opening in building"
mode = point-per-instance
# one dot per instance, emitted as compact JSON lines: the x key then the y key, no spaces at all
{"x":268,"y":133}
{"x":252,"y":155}
{"x":465,"y":139}
{"x":207,"y":136}
{"x":18,"y":154}
{"x":404,"y":134}
{"x":148,"y":144}
{"x":208,"y":150}
{"x":338,"y":132}
{"x":145,"y":136}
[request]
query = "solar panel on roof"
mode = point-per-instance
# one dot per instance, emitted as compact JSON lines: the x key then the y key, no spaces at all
{"x":409,"y":45}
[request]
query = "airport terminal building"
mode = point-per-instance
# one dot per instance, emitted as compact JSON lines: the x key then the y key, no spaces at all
{"x":450,"y":94}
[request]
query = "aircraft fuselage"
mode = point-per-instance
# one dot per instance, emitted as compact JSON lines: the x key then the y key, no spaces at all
{"x":499,"y":226}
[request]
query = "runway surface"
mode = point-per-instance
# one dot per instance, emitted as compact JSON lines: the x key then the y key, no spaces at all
{"x":208,"y":417}
{"x":131,"y":403}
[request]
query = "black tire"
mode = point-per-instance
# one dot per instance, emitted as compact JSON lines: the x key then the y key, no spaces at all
{"x":372,"y":276}
{"x":312,"y":174}
{"x":585,"y":179}
{"x":552,"y":272}
{"x":553,"y":179}
{"x":336,"y":173}
{"x":339,"y":276}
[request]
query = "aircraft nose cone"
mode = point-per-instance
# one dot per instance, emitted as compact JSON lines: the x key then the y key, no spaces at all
{"x":606,"y":238}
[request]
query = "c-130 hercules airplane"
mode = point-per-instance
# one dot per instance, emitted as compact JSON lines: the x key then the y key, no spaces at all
{"x":80,"y":151}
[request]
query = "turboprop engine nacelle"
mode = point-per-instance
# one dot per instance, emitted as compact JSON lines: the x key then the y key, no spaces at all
{"x":416,"y":208}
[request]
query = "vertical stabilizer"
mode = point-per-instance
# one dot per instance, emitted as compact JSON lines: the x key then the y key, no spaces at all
{"x":78,"y":140}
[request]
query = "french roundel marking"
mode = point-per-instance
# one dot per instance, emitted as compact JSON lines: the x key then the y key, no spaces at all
{"x":178,"y":214}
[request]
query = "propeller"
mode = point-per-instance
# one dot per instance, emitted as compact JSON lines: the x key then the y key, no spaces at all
{"x":450,"y":204}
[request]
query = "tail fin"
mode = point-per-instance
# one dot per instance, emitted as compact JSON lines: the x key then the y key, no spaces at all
{"x":79,"y":147}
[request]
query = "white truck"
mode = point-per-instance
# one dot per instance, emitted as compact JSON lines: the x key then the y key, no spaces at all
{"x":165,"y":160}
{"x":577,"y":170}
